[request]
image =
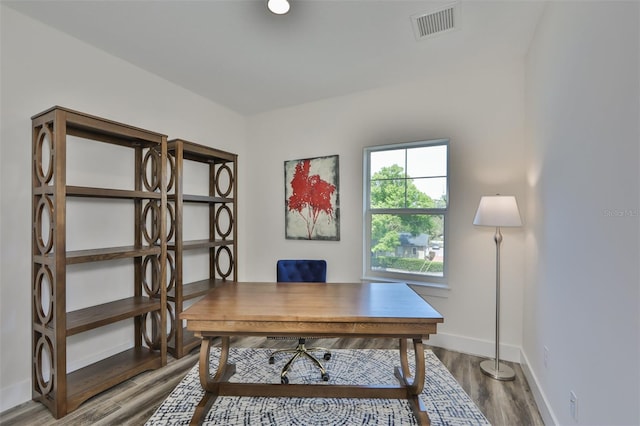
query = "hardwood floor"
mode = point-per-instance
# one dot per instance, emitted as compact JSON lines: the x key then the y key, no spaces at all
{"x":134,"y":401}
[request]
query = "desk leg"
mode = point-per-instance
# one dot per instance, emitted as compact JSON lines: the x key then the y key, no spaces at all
{"x":414,"y":385}
{"x":211,"y":384}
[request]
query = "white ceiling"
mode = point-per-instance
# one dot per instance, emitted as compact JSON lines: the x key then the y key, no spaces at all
{"x":237,"y":54}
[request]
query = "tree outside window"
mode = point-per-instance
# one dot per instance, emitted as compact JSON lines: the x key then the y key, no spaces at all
{"x":406,"y":203}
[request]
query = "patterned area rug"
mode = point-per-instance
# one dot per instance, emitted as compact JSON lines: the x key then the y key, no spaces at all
{"x":445,"y":401}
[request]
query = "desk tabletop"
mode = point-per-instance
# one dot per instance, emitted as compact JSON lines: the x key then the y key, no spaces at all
{"x":347,"y":310}
{"x":313,"y":302}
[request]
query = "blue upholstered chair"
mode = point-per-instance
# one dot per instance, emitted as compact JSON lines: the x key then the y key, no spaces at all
{"x":301,"y":271}
{"x":308,"y":271}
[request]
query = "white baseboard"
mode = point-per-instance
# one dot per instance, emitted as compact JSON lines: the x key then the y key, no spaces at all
{"x":469,"y":345}
{"x":511,"y":353}
{"x":15,"y":394}
{"x":548,"y":417}
{"x":19,"y":393}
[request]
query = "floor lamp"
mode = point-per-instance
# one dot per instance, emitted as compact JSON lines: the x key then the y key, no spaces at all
{"x":498,"y":211}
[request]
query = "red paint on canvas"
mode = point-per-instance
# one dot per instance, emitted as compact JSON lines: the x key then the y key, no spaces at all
{"x":311,"y":196}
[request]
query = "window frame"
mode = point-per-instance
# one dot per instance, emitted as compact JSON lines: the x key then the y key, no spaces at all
{"x":367,"y":213}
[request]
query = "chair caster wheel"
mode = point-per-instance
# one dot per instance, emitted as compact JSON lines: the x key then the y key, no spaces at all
{"x":327,"y":356}
{"x":284,"y":380}
{"x":325,"y":377}
{"x":272,"y":360}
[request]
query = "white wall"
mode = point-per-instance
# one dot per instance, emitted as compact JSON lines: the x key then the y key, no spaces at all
{"x":582,"y":140}
{"x":480,"y":108}
{"x":582,"y":278}
{"x":42,"y":67}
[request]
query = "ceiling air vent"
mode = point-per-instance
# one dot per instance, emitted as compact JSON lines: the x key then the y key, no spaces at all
{"x":430,"y":24}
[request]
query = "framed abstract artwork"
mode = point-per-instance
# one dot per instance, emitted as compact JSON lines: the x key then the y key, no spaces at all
{"x":312,"y":202}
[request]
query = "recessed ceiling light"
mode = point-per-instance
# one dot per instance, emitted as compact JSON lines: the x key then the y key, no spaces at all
{"x":279,"y":7}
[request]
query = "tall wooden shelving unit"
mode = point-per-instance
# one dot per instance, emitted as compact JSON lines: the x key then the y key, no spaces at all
{"x":60,"y":391}
{"x":221,"y":244}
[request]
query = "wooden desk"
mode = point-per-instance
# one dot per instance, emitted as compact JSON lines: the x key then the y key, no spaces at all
{"x":313,"y":310}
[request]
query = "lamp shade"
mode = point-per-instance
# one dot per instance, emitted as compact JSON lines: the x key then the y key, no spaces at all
{"x":498,"y":210}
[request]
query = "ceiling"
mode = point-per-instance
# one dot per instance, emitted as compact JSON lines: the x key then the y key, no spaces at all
{"x":237,"y":54}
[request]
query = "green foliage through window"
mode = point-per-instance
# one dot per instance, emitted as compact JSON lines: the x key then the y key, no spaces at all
{"x":406,"y":203}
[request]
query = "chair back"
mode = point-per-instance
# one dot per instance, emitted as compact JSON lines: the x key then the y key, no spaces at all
{"x":300,"y":270}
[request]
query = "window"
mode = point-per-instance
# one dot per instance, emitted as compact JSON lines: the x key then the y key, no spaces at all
{"x":406,"y":200}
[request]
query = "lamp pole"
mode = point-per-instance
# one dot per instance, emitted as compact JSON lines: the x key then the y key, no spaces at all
{"x":494,"y":368}
{"x":497,"y":211}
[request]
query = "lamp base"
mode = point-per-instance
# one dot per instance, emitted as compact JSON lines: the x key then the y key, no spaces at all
{"x":504,"y":372}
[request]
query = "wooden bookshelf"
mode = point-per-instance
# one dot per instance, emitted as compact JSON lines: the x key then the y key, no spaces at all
{"x":60,"y":391}
{"x":100,"y":376}
{"x":108,"y":313}
{"x":221,"y":243}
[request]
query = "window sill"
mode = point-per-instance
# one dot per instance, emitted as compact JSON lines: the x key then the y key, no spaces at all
{"x":421,"y":287}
